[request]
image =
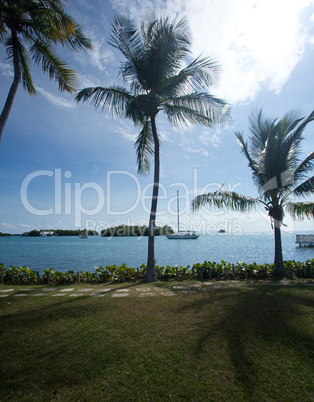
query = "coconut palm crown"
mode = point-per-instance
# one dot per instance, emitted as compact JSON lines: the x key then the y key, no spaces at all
{"x":156,"y":81}
{"x":279,"y":175}
{"x":29,"y":30}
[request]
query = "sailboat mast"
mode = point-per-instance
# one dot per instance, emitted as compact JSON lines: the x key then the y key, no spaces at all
{"x":178,"y":208}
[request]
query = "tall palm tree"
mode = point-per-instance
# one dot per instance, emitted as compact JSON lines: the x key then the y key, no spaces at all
{"x":30,"y":29}
{"x":153,"y":69}
{"x":273,"y":157}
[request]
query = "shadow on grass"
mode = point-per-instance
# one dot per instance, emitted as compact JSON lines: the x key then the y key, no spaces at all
{"x":257,"y":323}
{"x":77,"y":343}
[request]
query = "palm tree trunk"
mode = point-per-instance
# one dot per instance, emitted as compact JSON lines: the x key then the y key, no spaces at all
{"x":151,"y":275}
{"x":278,"y":252}
{"x":16,"y":80}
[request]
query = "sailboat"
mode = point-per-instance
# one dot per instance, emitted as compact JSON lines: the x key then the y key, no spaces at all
{"x":182,"y":234}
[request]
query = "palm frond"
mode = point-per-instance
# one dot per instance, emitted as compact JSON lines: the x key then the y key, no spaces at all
{"x":195,"y":108}
{"x":306,"y":165}
{"x":258,"y":128}
{"x":126,"y":38}
{"x":245,"y":151}
{"x":22,"y":61}
{"x":134,"y":112}
{"x":274,"y":149}
{"x":114,"y":99}
{"x":165,"y":48}
{"x":144,"y":146}
{"x":296,"y":135}
{"x":305,"y":188}
{"x":199,"y":74}
{"x":301,"y":210}
{"x":42,"y":53}
{"x":76,"y":40}
{"x":225,"y":199}
{"x":25,"y":67}
{"x":202,"y":72}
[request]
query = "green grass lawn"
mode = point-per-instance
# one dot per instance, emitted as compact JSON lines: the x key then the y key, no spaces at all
{"x":252,"y":342}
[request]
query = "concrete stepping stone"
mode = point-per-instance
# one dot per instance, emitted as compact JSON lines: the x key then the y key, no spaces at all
{"x":122,"y":290}
{"x":103,"y":290}
{"x":58,"y":294}
{"x":179,"y":287}
{"x":4,"y":295}
{"x":97,"y":295}
{"x":48,"y":290}
{"x":39,"y":294}
{"x":143,"y":289}
{"x":27,"y":290}
{"x":67,"y":290}
{"x":168,"y":293}
{"x":86,"y":290}
{"x":6,"y":290}
{"x":189,"y":291}
{"x":76,"y":294}
{"x":120,"y":294}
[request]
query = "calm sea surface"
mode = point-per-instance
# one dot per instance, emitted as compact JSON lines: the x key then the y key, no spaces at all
{"x":74,"y":253}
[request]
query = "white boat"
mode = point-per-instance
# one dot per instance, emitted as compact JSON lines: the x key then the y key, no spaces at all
{"x":84,"y":235}
{"x":182,"y":234}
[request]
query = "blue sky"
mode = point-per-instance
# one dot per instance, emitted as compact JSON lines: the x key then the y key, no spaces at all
{"x":65,"y":165}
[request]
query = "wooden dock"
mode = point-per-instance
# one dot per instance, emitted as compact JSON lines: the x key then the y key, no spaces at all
{"x":306,"y":240}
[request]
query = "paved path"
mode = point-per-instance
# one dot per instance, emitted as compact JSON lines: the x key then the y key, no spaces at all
{"x":139,"y":291}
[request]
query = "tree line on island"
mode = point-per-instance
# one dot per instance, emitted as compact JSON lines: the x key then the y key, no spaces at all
{"x":124,"y":230}
{"x":114,"y":231}
{"x":60,"y":232}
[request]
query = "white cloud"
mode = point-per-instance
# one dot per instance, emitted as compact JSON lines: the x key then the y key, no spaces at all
{"x":101,"y":55}
{"x":7,"y":70}
{"x":87,"y":4}
{"x":196,"y":151}
{"x":56,"y":100}
{"x":210,"y":138}
{"x":7,"y":226}
{"x":24,"y":226}
{"x":87,"y":81}
{"x":125,"y":131}
{"x":258,"y":43}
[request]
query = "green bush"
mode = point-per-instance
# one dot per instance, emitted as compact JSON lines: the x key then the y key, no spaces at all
{"x":113,"y":273}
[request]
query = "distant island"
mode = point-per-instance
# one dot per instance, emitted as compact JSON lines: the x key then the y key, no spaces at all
{"x":116,"y":231}
{"x":58,"y":232}
{"x":125,"y":230}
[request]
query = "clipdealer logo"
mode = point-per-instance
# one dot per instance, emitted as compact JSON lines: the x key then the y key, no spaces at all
{"x":67,"y":197}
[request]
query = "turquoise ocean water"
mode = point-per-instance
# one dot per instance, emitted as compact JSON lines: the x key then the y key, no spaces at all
{"x":74,"y":253}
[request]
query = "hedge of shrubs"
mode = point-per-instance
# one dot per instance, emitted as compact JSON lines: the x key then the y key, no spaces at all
{"x":206,"y":270}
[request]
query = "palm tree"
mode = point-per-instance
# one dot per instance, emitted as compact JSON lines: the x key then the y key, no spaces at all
{"x":154,"y":55}
{"x":273,"y":157}
{"x":29,"y":29}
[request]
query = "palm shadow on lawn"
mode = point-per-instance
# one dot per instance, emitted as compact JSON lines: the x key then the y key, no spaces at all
{"x":256,"y":325}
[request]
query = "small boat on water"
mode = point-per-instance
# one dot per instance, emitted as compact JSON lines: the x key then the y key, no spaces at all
{"x":84,"y":234}
{"x":182,"y":234}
